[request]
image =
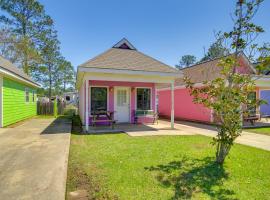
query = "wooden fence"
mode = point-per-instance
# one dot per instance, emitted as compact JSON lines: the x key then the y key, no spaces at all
{"x":47,"y":108}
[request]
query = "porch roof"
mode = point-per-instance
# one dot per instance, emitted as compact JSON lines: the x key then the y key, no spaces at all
{"x":262,"y":81}
{"x":124,"y":58}
{"x":208,"y":70}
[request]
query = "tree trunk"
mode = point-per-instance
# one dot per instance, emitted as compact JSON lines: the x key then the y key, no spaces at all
{"x":25,"y":47}
{"x":64,"y":86}
{"x":50,"y":82}
{"x":222,"y":151}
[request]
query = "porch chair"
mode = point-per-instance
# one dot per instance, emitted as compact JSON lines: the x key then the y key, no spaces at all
{"x":145,"y":113}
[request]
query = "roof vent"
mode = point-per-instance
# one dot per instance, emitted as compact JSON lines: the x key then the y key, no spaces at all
{"x":124,"y":44}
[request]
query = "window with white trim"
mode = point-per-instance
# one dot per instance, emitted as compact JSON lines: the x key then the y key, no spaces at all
{"x":33,"y":96}
{"x":26,"y":95}
{"x":143,"y":98}
{"x":98,"y":99}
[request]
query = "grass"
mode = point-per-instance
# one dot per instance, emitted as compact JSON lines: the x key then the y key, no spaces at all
{"x":117,"y":166}
{"x":263,"y":130}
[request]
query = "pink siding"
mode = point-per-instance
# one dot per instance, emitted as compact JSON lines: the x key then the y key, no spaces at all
{"x":132,"y":85}
{"x":244,"y":66}
{"x":84,"y":100}
{"x":184,"y":108}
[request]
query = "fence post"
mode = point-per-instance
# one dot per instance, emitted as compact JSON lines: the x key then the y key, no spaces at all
{"x":55,"y":108}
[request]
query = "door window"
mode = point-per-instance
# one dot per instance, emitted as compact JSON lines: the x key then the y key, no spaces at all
{"x":121,"y":97}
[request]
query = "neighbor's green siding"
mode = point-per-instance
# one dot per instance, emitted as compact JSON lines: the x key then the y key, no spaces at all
{"x":15,"y":108}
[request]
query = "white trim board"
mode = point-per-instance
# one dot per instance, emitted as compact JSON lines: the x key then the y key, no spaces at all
{"x":124,"y":78}
{"x":1,"y":102}
{"x":124,"y":41}
{"x":133,"y":72}
{"x":180,"y":87}
{"x":18,"y":78}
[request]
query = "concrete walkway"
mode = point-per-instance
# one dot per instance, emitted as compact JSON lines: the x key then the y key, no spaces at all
{"x":246,"y":138}
{"x":33,"y":160}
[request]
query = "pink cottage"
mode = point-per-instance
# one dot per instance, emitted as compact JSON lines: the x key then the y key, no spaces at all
{"x":185,"y":109}
{"x":122,"y":82}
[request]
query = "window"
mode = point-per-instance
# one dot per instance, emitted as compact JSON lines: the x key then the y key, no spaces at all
{"x":121,"y":97}
{"x":98,"y":99}
{"x":67,"y":98}
{"x":26,"y":95}
{"x":143,"y":98}
{"x":33,"y":96}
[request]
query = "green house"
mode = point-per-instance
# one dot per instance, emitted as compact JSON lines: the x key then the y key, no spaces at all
{"x":18,"y":94}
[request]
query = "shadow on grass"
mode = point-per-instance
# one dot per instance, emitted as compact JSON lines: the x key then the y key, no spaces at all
{"x":61,"y":125}
{"x":189,"y":177}
{"x":97,"y":134}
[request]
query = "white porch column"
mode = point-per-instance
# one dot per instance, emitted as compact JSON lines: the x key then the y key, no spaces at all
{"x":172,"y":104}
{"x":86,"y":105}
{"x":156,"y":97}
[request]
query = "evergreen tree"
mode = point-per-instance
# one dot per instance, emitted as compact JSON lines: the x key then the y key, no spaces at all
{"x":186,"y":61}
{"x":216,"y":50}
{"x":28,"y":21}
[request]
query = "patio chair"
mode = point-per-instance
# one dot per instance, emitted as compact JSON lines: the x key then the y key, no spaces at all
{"x":145,"y":113}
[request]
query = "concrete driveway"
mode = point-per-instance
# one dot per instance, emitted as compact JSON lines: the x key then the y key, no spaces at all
{"x":33,"y":159}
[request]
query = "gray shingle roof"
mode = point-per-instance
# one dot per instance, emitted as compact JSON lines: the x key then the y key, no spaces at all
{"x":206,"y":71}
{"x":8,"y":66}
{"x":127,"y":59}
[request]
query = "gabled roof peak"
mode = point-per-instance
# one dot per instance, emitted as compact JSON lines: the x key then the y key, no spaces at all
{"x":124,"y":44}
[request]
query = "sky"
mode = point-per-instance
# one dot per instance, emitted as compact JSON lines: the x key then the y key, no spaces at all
{"x":163,"y":29}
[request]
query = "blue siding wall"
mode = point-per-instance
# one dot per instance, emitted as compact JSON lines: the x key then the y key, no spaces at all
{"x":265,"y":95}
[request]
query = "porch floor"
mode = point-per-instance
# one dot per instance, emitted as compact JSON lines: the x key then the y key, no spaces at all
{"x":162,"y":128}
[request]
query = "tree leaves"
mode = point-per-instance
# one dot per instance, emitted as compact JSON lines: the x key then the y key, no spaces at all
{"x":186,"y":61}
{"x":33,"y":43}
{"x":229,"y":95}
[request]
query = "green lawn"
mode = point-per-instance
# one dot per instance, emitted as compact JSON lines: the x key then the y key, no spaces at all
{"x":264,"y":130}
{"x":117,"y":166}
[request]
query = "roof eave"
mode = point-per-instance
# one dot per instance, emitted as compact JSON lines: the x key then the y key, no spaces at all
{"x":15,"y":76}
{"x":133,"y":72}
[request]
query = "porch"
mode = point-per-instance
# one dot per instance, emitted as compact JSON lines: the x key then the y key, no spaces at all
{"x":262,"y":122}
{"x":161,"y":129}
{"x":111,"y":103}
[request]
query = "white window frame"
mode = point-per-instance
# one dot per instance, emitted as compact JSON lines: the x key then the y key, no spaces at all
{"x":89,"y":96}
{"x":151,"y":95}
{"x":33,"y":96}
{"x":25,"y":91}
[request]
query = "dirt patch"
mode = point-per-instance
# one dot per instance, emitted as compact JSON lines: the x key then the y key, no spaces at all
{"x":79,"y":141}
{"x":80,"y":180}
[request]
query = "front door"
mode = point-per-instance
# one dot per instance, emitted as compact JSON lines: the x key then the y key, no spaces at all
{"x":121,"y":104}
